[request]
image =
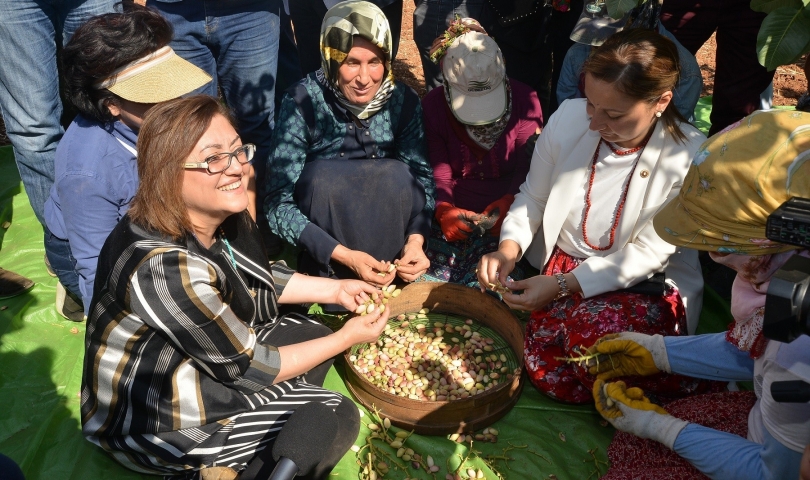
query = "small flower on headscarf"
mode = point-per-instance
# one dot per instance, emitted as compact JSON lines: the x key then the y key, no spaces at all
{"x":457,"y":28}
{"x":705,"y":185}
{"x":700,"y":156}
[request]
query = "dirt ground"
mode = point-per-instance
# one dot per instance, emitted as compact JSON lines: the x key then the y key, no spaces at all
{"x":789,"y":80}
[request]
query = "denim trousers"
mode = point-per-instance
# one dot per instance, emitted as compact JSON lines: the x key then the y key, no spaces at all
{"x":430,"y":19}
{"x":236,"y":42}
{"x":62,"y":262}
{"x":30,"y":31}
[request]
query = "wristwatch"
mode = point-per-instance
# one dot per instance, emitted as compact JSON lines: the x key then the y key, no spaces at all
{"x":564,"y":292}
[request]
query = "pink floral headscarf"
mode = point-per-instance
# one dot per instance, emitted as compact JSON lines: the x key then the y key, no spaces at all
{"x":748,"y":292}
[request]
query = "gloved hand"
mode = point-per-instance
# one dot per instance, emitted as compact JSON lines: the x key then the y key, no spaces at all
{"x":455,"y":222}
{"x":497,"y":211}
{"x":628,"y":353}
{"x":630,"y":411}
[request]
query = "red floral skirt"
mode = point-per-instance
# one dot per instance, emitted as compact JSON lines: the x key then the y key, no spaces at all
{"x":564,"y":328}
{"x":634,"y":458}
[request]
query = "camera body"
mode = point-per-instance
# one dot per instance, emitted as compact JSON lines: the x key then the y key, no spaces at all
{"x":787,"y":305}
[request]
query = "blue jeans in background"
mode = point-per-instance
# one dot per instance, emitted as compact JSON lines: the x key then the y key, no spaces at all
{"x":62,"y":262}
{"x":236,"y":42}
{"x":30,"y":31}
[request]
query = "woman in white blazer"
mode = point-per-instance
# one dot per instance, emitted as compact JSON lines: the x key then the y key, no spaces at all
{"x":603,"y":166}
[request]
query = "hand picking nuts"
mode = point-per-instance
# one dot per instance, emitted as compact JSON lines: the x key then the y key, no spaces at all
{"x":391,"y":268}
{"x":377,"y":299}
{"x":498,"y":287}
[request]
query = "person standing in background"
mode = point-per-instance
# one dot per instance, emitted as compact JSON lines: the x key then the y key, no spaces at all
{"x":236,"y":43}
{"x":35,"y":31}
{"x":593,"y":29}
{"x":739,"y":79}
{"x":533,"y":36}
{"x":430,"y":20}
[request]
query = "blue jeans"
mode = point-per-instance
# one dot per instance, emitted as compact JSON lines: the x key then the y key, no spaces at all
{"x":289,"y":68}
{"x":236,"y":42}
{"x":62,"y":262}
{"x":29,"y":83}
{"x":430,"y":19}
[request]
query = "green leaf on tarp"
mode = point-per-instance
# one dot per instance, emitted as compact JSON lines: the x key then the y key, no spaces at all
{"x":315,"y":309}
{"x":767,"y":6}
{"x":618,"y":8}
{"x":783,"y":37}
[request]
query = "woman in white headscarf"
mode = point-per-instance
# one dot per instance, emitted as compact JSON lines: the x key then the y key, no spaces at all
{"x":348,"y":179}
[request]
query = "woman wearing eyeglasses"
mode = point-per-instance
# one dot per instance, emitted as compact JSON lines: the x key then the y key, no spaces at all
{"x":188,"y":363}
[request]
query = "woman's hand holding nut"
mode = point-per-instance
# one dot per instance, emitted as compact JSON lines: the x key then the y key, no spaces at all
{"x":368,"y":268}
{"x":538,"y":291}
{"x":350,"y":294}
{"x":366,"y":328}
{"x":492,"y":267}
{"x":413,"y":262}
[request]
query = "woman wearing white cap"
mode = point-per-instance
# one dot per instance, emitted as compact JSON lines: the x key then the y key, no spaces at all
{"x":477,"y":126}
{"x":116,"y":66}
{"x":348,"y":178}
{"x":601,"y":168}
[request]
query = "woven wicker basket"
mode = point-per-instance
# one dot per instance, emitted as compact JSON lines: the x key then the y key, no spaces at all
{"x":457,"y":416}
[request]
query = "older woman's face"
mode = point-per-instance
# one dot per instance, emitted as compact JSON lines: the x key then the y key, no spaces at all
{"x":211,"y":198}
{"x":361,"y":73}
{"x":618,"y":118}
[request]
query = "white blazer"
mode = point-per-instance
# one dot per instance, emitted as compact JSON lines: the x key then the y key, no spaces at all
{"x":560,"y":163}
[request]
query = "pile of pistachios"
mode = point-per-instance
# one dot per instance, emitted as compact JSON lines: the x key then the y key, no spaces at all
{"x":428,"y":360}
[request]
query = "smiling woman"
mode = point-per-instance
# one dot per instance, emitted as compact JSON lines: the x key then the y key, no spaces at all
{"x":348,"y":179}
{"x":200,"y":348}
{"x":219,"y":190}
{"x":362,"y":73}
{"x":601,"y":169}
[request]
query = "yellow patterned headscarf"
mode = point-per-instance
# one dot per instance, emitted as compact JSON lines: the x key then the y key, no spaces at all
{"x":737,"y":178}
{"x":340,"y":24}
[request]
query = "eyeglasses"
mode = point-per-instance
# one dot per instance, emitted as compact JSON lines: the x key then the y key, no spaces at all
{"x":219,"y":162}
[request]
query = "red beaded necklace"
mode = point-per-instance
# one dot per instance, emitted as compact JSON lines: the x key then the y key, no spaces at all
{"x":624,"y":193}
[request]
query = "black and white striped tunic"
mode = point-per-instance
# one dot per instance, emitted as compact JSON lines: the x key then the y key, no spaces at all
{"x":181,"y":351}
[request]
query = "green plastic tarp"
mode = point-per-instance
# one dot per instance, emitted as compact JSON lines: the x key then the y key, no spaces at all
{"x":40,"y":377}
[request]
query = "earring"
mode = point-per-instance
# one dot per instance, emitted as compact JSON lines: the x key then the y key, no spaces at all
{"x":658,"y":114}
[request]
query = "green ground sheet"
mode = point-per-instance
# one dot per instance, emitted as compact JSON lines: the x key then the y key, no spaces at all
{"x":41,"y":365}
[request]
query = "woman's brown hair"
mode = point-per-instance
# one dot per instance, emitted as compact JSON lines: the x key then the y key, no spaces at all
{"x":169,"y":133}
{"x":641,"y":64}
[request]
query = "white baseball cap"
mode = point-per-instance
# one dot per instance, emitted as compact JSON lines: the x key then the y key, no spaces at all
{"x":475,"y":73}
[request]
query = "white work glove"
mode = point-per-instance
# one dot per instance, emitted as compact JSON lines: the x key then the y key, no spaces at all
{"x":628,"y":353}
{"x":630,"y":411}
